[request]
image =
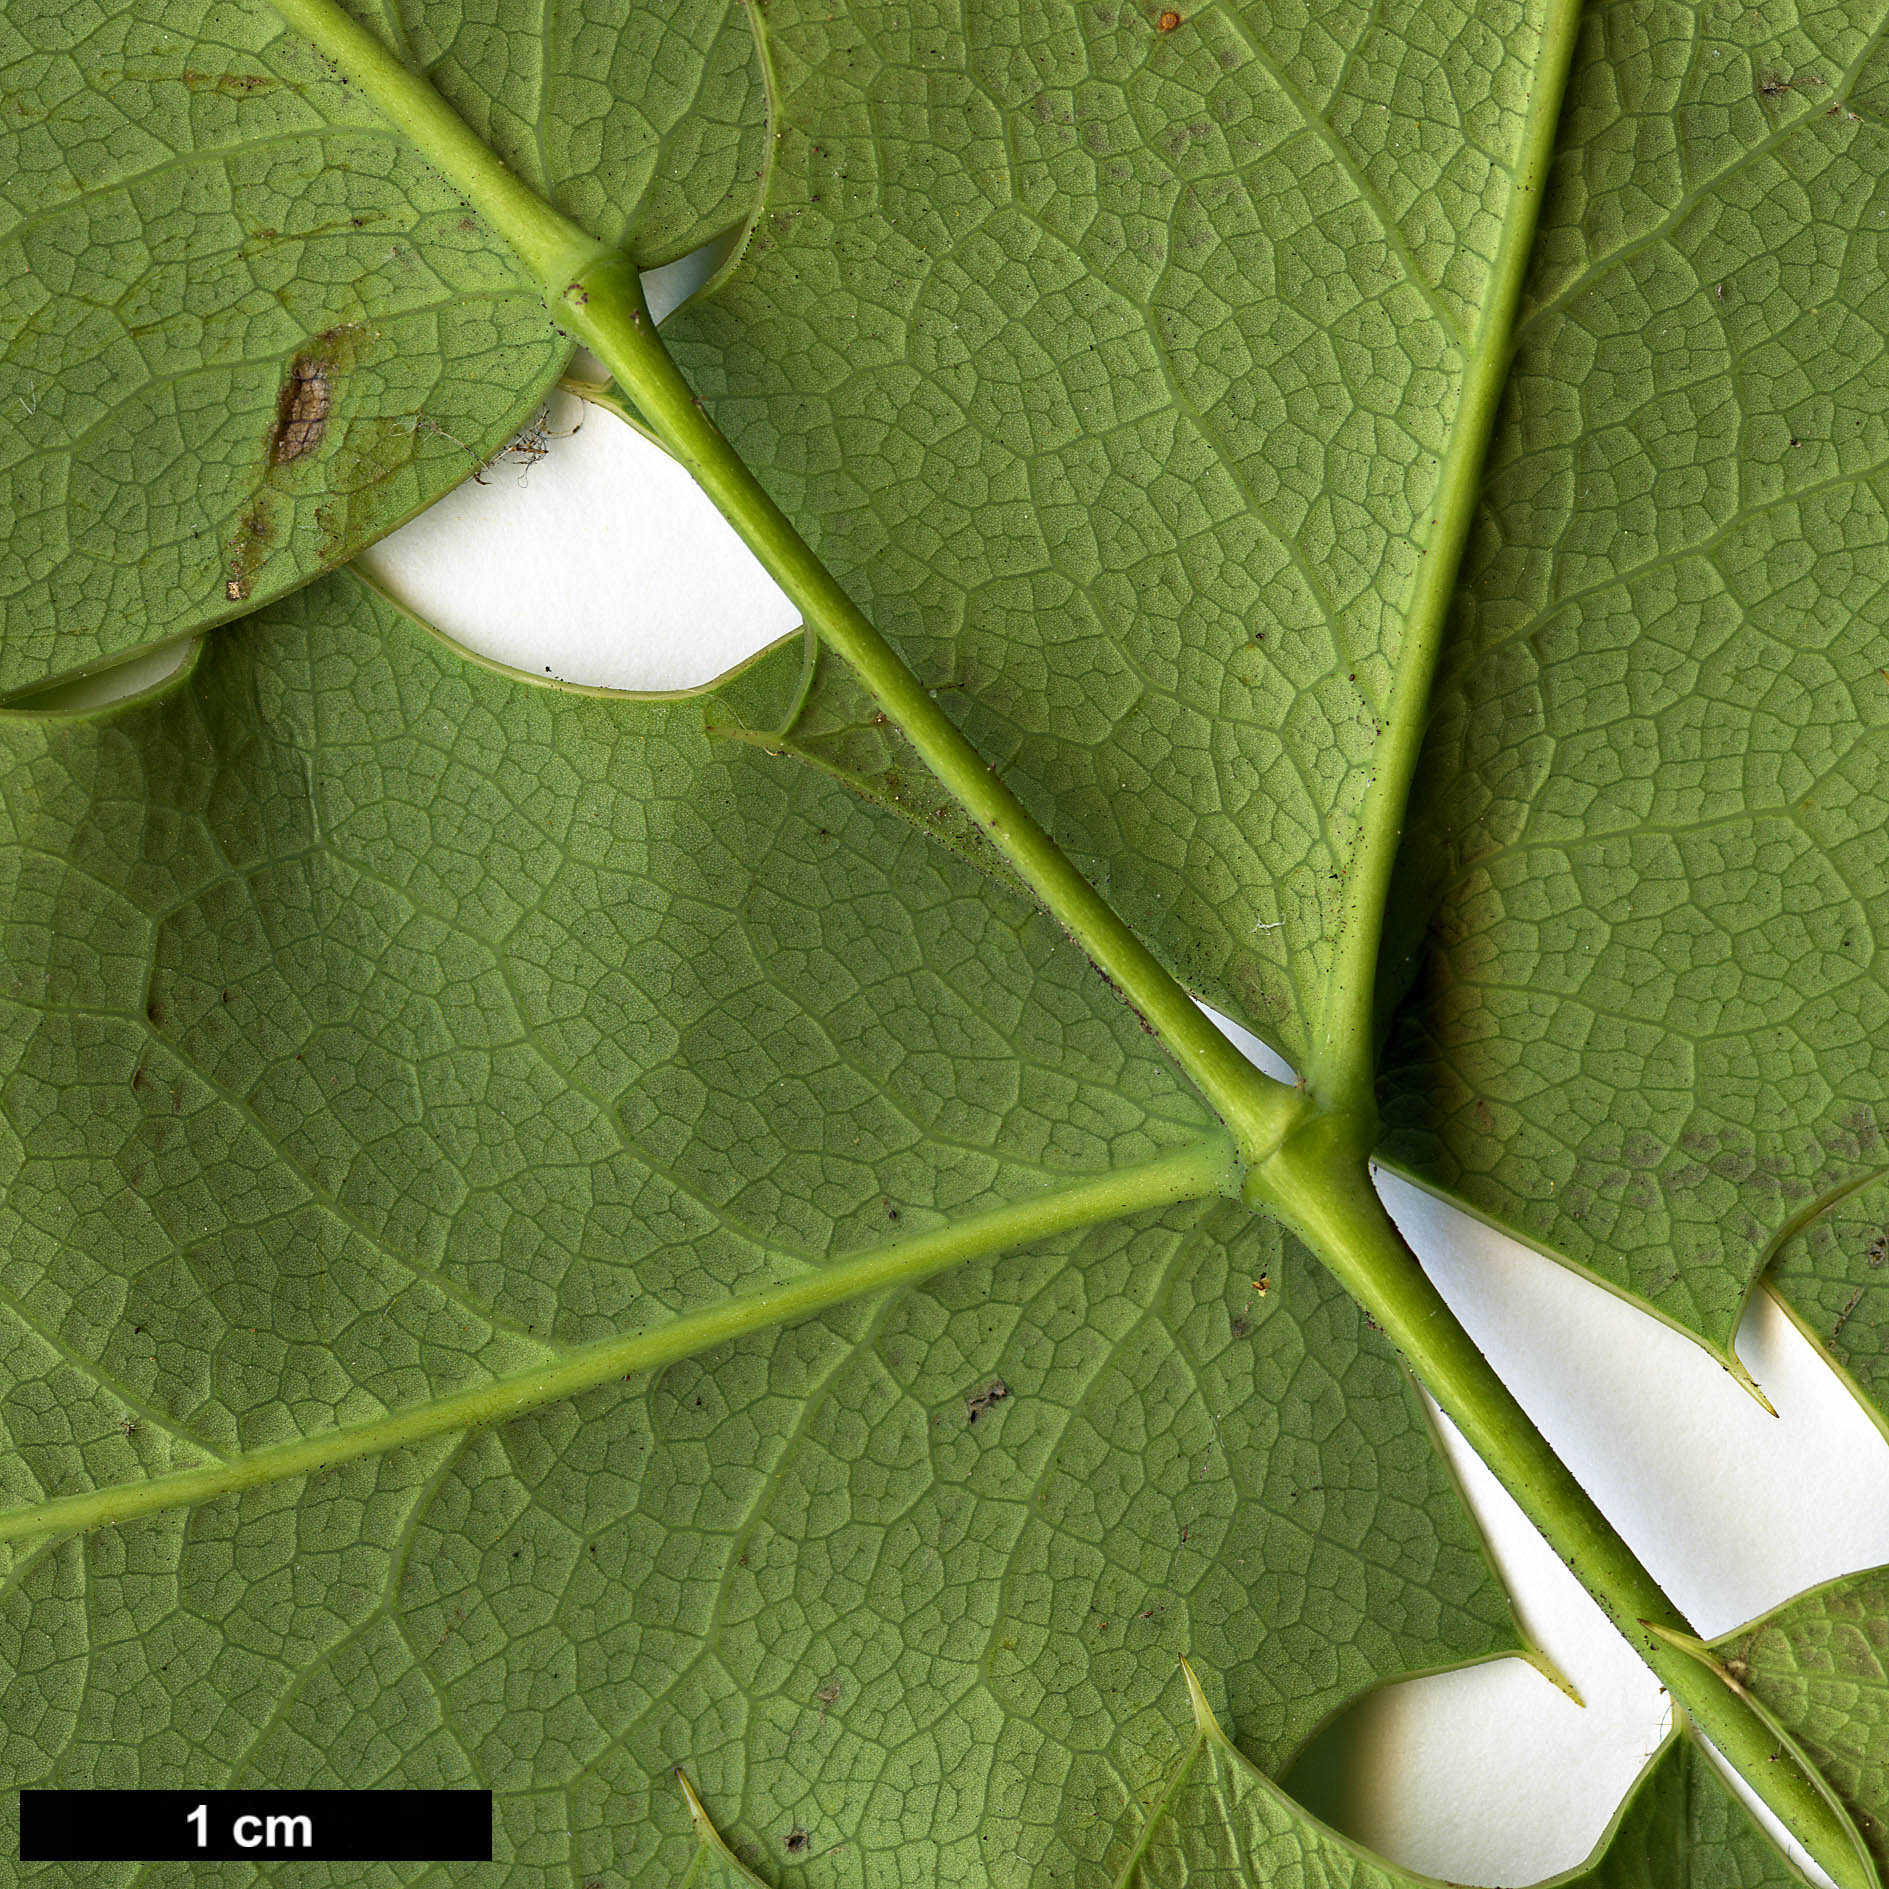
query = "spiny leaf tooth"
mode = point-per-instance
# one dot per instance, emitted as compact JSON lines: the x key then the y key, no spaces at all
{"x":1204,"y":1720}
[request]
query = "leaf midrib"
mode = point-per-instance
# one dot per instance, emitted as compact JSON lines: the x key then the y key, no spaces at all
{"x":1341,"y":1067}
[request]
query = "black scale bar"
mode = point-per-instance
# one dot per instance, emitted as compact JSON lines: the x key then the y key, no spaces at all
{"x":255,"y":1826}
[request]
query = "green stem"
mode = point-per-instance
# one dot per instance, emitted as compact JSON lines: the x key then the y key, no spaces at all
{"x":1319,"y":1184}
{"x":1193,"y":1172}
{"x":604,"y":395}
{"x":548,"y":243}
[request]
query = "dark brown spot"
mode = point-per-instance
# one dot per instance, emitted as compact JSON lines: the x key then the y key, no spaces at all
{"x":301,"y":414}
{"x":230,"y":84}
{"x":797,"y":1841}
{"x":1168,"y":22}
{"x":988,"y":1398}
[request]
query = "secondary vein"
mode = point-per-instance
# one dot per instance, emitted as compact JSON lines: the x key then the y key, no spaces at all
{"x":1192,"y":1172}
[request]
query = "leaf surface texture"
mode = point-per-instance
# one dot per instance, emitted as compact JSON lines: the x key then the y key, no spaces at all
{"x":1647,"y":1033}
{"x":381,"y":1030}
{"x":1114,"y":368}
{"x":1226,"y":1825}
{"x":192,"y":233}
{"x":379,"y":1025}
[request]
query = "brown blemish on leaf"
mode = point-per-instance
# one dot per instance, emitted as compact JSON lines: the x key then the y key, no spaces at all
{"x":987,"y":1399}
{"x":302,"y":409}
{"x":1167,"y":22}
{"x":248,"y":546}
{"x":796,"y":1841}
{"x":299,"y":427}
{"x":230,"y":84}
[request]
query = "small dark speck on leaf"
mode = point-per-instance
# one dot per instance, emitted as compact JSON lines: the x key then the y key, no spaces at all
{"x":988,"y":1398}
{"x":796,"y":1841}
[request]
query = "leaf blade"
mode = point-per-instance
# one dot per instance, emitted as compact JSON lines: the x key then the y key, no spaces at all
{"x":320,"y":964}
{"x":1652,"y":760}
{"x":248,"y":331}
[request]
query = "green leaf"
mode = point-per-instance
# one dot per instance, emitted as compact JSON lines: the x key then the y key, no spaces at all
{"x":1116,"y":371}
{"x":1647,"y":1033}
{"x":1817,"y":1663}
{"x":405,"y":1059}
{"x":1128,"y":425}
{"x":715,"y":1863}
{"x":245,"y":329}
{"x":1820,"y":1665}
{"x":383,"y":1031}
{"x":1830,"y":1272}
{"x":1225,"y":1825}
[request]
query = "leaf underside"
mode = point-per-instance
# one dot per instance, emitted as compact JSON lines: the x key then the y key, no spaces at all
{"x":1225,"y":1825}
{"x":1647,"y":1030}
{"x":378,"y":1025}
{"x":375,"y":1025}
{"x":1113,"y":369}
{"x":201,"y":218}
{"x":1820,"y":1665}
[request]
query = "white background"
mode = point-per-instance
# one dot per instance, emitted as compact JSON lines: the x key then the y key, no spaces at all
{"x":600,"y":563}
